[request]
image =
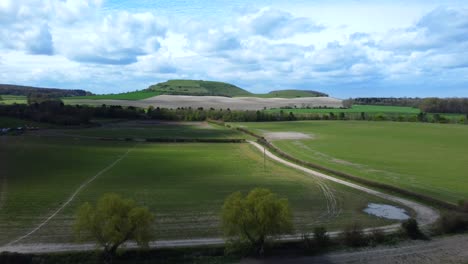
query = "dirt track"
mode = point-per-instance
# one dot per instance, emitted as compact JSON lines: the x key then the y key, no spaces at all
{"x":217,"y":102}
{"x":424,"y":214}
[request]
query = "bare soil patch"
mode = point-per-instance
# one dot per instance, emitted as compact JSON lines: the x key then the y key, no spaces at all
{"x":287,"y":135}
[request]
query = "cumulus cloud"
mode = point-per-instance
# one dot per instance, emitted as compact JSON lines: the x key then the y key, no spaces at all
{"x":276,"y":24}
{"x":118,"y":39}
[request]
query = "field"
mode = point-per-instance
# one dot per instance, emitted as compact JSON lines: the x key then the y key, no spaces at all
{"x":137,"y":95}
{"x":183,"y":184}
{"x":158,"y":129}
{"x":354,"y":109}
{"x":427,"y":158}
{"x":13,"y":99}
{"x":216,"y":102}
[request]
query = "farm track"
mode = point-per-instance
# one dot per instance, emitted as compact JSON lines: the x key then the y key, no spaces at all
{"x":424,"y":214}
{"x":70,"y":199}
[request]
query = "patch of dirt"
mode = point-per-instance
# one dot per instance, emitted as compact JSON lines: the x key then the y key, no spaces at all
{"x":218,"y":102}
{"x":287,"y":135}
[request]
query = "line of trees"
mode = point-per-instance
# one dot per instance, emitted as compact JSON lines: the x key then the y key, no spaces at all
{"x":446,"y":105}
{"x":52,"y":92}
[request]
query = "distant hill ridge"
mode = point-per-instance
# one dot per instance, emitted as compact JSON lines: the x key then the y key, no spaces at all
{"x":10,"y":89}
{"x":203,"y":88}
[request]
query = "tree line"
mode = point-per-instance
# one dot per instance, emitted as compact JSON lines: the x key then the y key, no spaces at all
{"x":10,"y":89}
{"x":426,"y":105}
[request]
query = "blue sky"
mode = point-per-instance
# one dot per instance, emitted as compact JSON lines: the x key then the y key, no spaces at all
{"x":344,"y":48}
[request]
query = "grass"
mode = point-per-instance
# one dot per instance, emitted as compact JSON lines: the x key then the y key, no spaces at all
{"x":354,"y":109}
{"x":427,"y":158}
{"x":137,"y":95}
{"x":13,"y":99}
{"x":15,"y":122}
{"x":184,"y":184}
{"x":137,"y":129}
{"x":198,"y":87}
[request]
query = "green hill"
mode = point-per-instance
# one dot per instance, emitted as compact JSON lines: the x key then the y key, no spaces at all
{"x":198,"y":87}
{"x":291,"y":94}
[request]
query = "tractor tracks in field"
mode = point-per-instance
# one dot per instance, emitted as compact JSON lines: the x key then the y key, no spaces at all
{"x":71,"y":198}
{"x":424,"y":214}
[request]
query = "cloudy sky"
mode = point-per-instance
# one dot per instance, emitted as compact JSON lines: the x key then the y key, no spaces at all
{"x":345,"y":48}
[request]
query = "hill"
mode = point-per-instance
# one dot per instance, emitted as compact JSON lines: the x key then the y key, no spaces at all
{"x":198,"y":87}
{"x":9,"y":89}
{"x":291,"y":93}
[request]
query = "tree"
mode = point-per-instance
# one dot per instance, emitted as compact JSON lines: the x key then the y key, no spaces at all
{"x":112,"y":222}
{"x":255,"y":218}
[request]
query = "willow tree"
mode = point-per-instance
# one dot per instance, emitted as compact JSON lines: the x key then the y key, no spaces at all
{"x":255,"y":218}
{"x":112,"y":222}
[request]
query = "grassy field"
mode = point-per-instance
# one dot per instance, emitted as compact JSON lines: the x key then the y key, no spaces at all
{"x":15,"y":122}
{"x":137,"y":95}
{"x":427,"y":158}
{"x":183,"y":184}
{"x":13,"y":99}
{"x":149,"y":129}
{"x":354,"y":109}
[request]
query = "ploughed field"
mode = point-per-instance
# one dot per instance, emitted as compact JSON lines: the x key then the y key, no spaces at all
{"x":184,"y":184}
{"x":431,"y":159}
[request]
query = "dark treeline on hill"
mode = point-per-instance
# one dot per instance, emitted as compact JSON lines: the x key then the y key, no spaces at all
{"x":10,"y":89}
{"x":55,"y":112}
{"x":388,"y":101}
{"x":447,"y":105}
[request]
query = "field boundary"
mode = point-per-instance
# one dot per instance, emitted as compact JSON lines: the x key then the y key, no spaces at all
{"x":71,"y":198}
{"x":178,"y":140}
{"x":430,"y":200}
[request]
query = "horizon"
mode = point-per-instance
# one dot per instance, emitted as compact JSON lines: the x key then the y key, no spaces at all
{"x":345,"y":49}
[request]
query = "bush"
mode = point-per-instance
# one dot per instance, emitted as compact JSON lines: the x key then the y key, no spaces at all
{"x":320,"y":241}
{"x":454,"y":223}
{"x":376,"y":236}
{"x":411,"y":229}
{"x":353,"y":236}
{"x":321,"y":238}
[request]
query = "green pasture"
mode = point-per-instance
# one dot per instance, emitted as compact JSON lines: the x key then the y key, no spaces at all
{"x":13,"y":99}
{"x":155,"y":129}
{"x":183,"y":184}
{"x":427,"y":158}
{"x":136,"y":95}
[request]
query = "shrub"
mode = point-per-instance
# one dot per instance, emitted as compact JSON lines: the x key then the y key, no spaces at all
{"x":353,"y":236}
{"x":411,"y":229}
{"x":376,"y":236}
{"x":321,"y":238}
{"x":454,"y":223}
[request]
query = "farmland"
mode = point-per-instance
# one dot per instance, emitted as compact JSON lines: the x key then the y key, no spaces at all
{"x":426,"y":158}
{"x":137,"y":95}
{"x":184,"y":184}
{"x":353,"y":109}
{"x":13,"y":99}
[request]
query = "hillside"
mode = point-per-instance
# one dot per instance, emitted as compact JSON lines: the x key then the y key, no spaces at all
{"x":198,"y":87}
{"x":292,"y":94}
{"x":9,"y":89}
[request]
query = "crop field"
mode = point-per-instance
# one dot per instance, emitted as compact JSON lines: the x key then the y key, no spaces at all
{"x":13,"y":99}
{"x":431,"y":159}
{"x":157,"y":129}
{"x":183,"y":184}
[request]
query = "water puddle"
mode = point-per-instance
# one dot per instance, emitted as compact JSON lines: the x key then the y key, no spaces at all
{"x":386,"y":211}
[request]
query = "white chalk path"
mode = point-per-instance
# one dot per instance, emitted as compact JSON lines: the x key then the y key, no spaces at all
{"x":70,"y":199}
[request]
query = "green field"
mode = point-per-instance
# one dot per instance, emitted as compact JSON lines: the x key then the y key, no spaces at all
{"x":427,"y":158}
{"x":137,"y":95}
{"x":13,"y":99}
{"x":183,"y":184}
{"x":149,"y":129}
{"x":353,"y":109}
{"x":198,"y":87}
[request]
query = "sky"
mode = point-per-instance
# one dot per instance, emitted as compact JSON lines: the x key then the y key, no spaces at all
{"x":347,"y":49}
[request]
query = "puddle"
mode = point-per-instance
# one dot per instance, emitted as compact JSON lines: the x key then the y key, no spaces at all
{"x":386,"y":211}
